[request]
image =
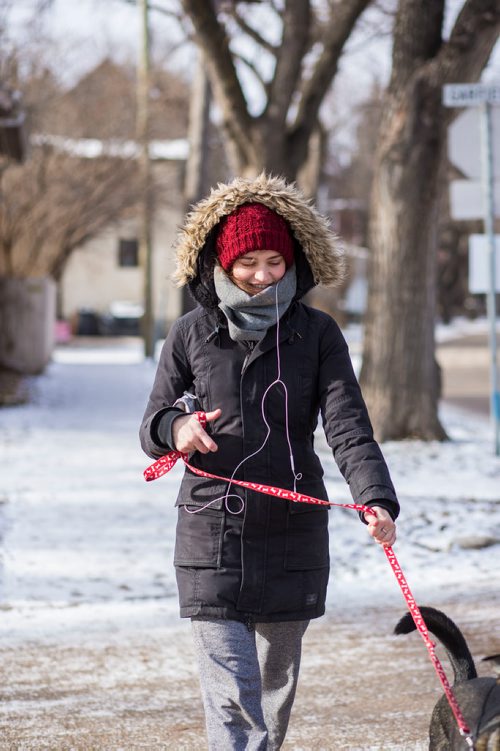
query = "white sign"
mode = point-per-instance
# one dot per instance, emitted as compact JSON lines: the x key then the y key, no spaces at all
{"x":470,"y":94}
{"x":464,"y":142}
{"x":479,"y":264}
{"x":466,"y":199}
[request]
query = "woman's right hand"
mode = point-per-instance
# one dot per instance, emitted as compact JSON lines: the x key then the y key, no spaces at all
{"x":188,"y":435}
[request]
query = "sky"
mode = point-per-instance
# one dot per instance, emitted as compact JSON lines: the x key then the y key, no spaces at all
{"x":88,"y":30}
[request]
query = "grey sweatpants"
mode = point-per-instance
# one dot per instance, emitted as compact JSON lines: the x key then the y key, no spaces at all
{"x":248,"y":681}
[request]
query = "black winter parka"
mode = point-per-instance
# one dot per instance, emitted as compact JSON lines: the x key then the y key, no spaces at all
{"x":270,"y":561}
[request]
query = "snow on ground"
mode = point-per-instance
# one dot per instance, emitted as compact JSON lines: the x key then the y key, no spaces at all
{"x":87,"y":544}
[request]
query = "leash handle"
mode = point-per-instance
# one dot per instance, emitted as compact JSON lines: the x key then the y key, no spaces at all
{"x":165,"y":464}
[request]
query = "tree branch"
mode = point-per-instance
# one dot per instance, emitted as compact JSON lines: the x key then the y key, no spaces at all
{"x":251,"y":32}
{"x":417,"y":37}
{"x":158,"y":9}
{"x":212,"y":39}
{"x":337,"y":31}
{"x":250,"y":65}
{"x":296,"y":26}
{"x":471,"y":42}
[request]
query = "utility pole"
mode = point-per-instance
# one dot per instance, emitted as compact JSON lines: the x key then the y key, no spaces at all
{"x":199,"y":110}
{"x":195,"y":183}
{"x":146,"y":202}
{"x":489,"y":231}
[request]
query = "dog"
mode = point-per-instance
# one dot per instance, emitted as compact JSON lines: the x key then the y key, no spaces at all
{"x":478,"y":698}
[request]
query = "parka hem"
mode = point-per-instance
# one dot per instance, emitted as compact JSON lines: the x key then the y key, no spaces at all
{"x":229,"y":614}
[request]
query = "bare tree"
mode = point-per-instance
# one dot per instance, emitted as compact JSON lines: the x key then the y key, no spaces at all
{"x":59,"y":199}
{"x":400,"y":376}
{"x":302,"y":66}
{"x":54,"y":203}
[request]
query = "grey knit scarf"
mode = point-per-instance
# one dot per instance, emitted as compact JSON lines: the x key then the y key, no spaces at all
{"x":250,"y":316}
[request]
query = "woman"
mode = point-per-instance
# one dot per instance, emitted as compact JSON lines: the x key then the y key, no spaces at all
{"x":252,"y":570}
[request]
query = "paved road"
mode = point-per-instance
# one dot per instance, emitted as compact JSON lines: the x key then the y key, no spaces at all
{"x":465,"y":364}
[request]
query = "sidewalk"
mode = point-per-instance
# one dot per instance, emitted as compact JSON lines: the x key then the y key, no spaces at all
{"x":465,"y":364}
{"x":360,"y":689}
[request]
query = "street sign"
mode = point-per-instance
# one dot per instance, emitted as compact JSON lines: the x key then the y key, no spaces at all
{"x":464,"y":144}
{"x":484,"y":97}
{"x":470,"y":94}
{"x":467,"y":199}
{"x":479,"y":264}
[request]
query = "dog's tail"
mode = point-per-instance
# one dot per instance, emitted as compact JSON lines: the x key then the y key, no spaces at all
{"x":449,"y":635}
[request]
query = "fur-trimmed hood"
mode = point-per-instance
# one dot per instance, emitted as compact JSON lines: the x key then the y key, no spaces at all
{"x":322,"y":256}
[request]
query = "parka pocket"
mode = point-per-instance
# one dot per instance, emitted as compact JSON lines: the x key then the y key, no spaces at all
{"x":200,"y":523}
{"x":306,"y":538}
{"x":198,"y":540}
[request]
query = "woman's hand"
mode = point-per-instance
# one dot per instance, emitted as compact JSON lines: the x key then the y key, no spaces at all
{"x":188,"y":435}
{"x":381,"y":527}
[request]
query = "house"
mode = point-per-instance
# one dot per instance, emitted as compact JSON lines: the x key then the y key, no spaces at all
{"x":12,"y":118}
{"x":101,"y":287}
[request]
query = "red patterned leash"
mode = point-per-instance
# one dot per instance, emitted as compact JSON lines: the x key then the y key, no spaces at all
{"x":431,"y":647}
{"x":165,"y":464}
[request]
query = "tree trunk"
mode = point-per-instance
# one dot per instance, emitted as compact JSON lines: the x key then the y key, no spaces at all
{"x":400,"y":377}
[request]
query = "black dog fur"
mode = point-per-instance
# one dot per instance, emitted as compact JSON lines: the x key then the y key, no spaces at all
{"x":478,"y":698}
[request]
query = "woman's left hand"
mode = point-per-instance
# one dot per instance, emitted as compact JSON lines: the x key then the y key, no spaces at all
{"x":381,"y":527}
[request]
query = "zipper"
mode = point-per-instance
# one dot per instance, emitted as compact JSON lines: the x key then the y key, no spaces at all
{"x":250,"y":347}
{"x":293,"y":335}
{"x":213,"y":334}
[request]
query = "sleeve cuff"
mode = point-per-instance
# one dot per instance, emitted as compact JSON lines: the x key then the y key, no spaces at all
{"x":161,"y":427}
{"x":389,"y":507}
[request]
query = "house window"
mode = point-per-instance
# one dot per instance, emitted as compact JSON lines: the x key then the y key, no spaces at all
{"x":128,"y":253}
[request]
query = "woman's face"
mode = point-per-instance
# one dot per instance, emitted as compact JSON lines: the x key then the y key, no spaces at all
{"x":257,"y":270}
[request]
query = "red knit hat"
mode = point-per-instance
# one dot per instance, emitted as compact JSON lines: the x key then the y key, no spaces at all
{"x":253,"y":226}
